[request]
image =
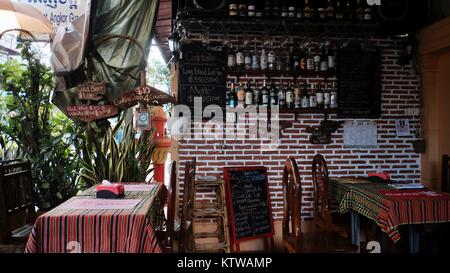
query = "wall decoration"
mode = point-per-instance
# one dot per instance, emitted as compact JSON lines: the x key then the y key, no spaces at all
{"x":144,"y":94}
{"x":142,"y":121}
{"x":88,"y":113}
{"x":93,"y":91}
{"x":322,"y":134}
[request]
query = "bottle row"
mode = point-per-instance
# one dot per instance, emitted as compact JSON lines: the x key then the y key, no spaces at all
{"x":301,"y":10}
{"x":321,"y":95}
{"x":295,"y":59}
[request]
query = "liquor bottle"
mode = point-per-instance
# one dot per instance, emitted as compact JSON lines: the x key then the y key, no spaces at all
{"x":271,"y":61}
{"x":305,"y":98}
{"x":324,"y":59}
{"x":242,"y":9}
{"x":232,"y":99}
{"x":289,"y":97}
{"x":267,"y":9}
{"x":263,"y":59}
{"x":259,"y":10}
{"x":302,"y":59}
{"x":312,"y":99}
{"x":333,"y":97}
{"x":331,"y":59}
{"x":307,"y":11}
{"x":299,"y":9}
{"x":233,"y":8}
{"x":248,"y":60}
{"x":275,"y":9}
{"x":292,"y":13}
{"x":251,"y":8}
{"x":264,"y":94}
{"x":231,"y":58}
{"x":273,"y":95}
{"x":309,"y":60}
{"x":368,"y":13}
{"x":240,"y":58}
{"x":284,"y":9}
{"x":284,"y":59}
{"x":255,"y":59}
{"x":326,"y":97}
{"x":241,"y":96}
{"x":228,"y":95}
{"x":339,"y":11}
{"x":297,"y":97}
{"x":321,"y":13}
{"x":282,"y":97}
{"x":295,"y":59}
{"x":319,"y":96}
{"x":248,"y":95}
{"x":257,"y":95}
{"x":317,"y":61}
{"x":359,"y":12}
{"x":348,"y":11}
{"x":329,"y":11}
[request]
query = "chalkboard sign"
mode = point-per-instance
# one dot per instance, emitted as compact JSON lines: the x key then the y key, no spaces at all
{"x":202,"y":74}
{"x":359,"y":83}
{"x":248,"y":203}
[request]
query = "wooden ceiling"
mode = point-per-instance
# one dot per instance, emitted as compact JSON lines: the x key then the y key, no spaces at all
{"x":164,"y":27}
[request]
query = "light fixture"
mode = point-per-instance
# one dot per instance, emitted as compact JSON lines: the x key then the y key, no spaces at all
{"x":174,"y":42}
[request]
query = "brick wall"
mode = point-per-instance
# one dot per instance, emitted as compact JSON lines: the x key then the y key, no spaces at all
{"x":400,"y":91}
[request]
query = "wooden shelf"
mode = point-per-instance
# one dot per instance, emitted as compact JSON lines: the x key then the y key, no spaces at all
{"x":294,"y":111}
{"x":281,"y":73}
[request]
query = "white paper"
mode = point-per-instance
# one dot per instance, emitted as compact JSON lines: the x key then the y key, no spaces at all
{"x":402,"y":127}
{"x":360,"y":134}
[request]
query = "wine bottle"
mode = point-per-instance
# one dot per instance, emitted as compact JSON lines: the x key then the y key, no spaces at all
{"x":264,"y":94}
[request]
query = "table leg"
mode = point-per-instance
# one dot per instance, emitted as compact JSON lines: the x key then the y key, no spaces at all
{"x":414,"y":237}
{"x":356,"y":240}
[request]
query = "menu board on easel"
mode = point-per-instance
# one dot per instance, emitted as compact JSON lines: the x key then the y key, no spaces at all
{"x":202,"y":74}
{"x":248,"y":203}
{"x":359,"y":83}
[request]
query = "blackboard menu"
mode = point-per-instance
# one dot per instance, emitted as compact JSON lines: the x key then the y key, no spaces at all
{"x":359,"y":83}
{"x":248,"y":203}
{"x":202,"y":74}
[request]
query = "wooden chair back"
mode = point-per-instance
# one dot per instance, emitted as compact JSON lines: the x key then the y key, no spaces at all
{"x":321,"y":194}
{"x":16,"y":195}
{"x":445,"y":184}
{"x":186,"y":231}
{"x":292,"y":191}
{"x":171,"y":205}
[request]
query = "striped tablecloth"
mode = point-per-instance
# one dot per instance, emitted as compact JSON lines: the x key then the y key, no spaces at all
{"x":130,"y":230}
{"x":390,"y":208}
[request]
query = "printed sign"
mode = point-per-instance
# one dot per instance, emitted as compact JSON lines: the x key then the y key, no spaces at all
{"x":143,"y":94}
{"x":91,"y":91}
{"x":402,"y":127}
{"x":88,"y":113}
{"x":142,"y":121}
{"x":59,"y":12}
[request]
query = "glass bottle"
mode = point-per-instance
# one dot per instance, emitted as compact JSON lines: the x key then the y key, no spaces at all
{"x":331,"y":59}
{"x":319,"y":96}
{"x":324,"y":59}
{"x":267,"y":9}
{"x":271,"y":61}
{"x":255,"y":59}
{"x":302,"y":59}
{"x":333,"y":97}
{"x":339,"y":11}
{"x":348,"y":11}
{"x":273,"y":95}
{"x":289,"y":97}
{"x":317,"y":61}
{"x":228,"y":95}
{"x":292,"y":13}
{"x":231,"y":63}
{"x":329,"y":11}
{"x":240,"y":58}
{"x":263,"y":59}
{"x":307,"y":11}
{"x":309,"y":60}
{"x":282,"y":97}
{"x":312,"y":99}
{"x":248,"y":60}
{"x":326,"y":97}
{"x":305,"y":98}
{"x":264,"y":94}
{"x":251,"y":8}
{"x":248,"y":95}
{"x":299,"y":11}
{"x":233,"y":8}
{"x":359,"y":12}
{"x":259,"y":10}
{"x":297,"y":97}
{"x":232,"y":97}
{"x":257,"y":95}
{"x":275,"y":9}
{"x":243,"y":9}
{"x":368,"y":13}
{"x":241,"y":96}
{"x":284,"y":9}
{"x":295,"y":59}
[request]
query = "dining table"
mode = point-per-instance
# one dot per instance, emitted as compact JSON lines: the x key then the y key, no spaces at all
{"x":86,"y":224}
{"x":389,"y":207}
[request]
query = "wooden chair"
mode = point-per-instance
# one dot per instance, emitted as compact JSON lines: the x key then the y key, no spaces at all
{"x":166,"y":237}
{"x":324,"y":219}
{"x":445,"y":185}
{"x":16,"y":200}
{"x":293,"y":239}
{"x":186,"y":242}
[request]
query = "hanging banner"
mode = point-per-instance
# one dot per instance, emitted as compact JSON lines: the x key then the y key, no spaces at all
{"x":60,"y":12}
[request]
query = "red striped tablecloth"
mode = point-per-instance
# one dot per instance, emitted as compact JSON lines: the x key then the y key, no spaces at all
{"x":390,"y":208}
{"x":131,"y":230}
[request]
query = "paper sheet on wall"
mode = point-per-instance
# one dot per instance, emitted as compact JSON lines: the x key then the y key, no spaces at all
{"x":360,"y":134}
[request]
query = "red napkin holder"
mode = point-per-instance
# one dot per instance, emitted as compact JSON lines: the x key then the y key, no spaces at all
{"x":113,"y":191}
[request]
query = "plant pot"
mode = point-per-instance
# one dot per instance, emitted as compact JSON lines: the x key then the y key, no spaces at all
{"x":419,"y":146}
